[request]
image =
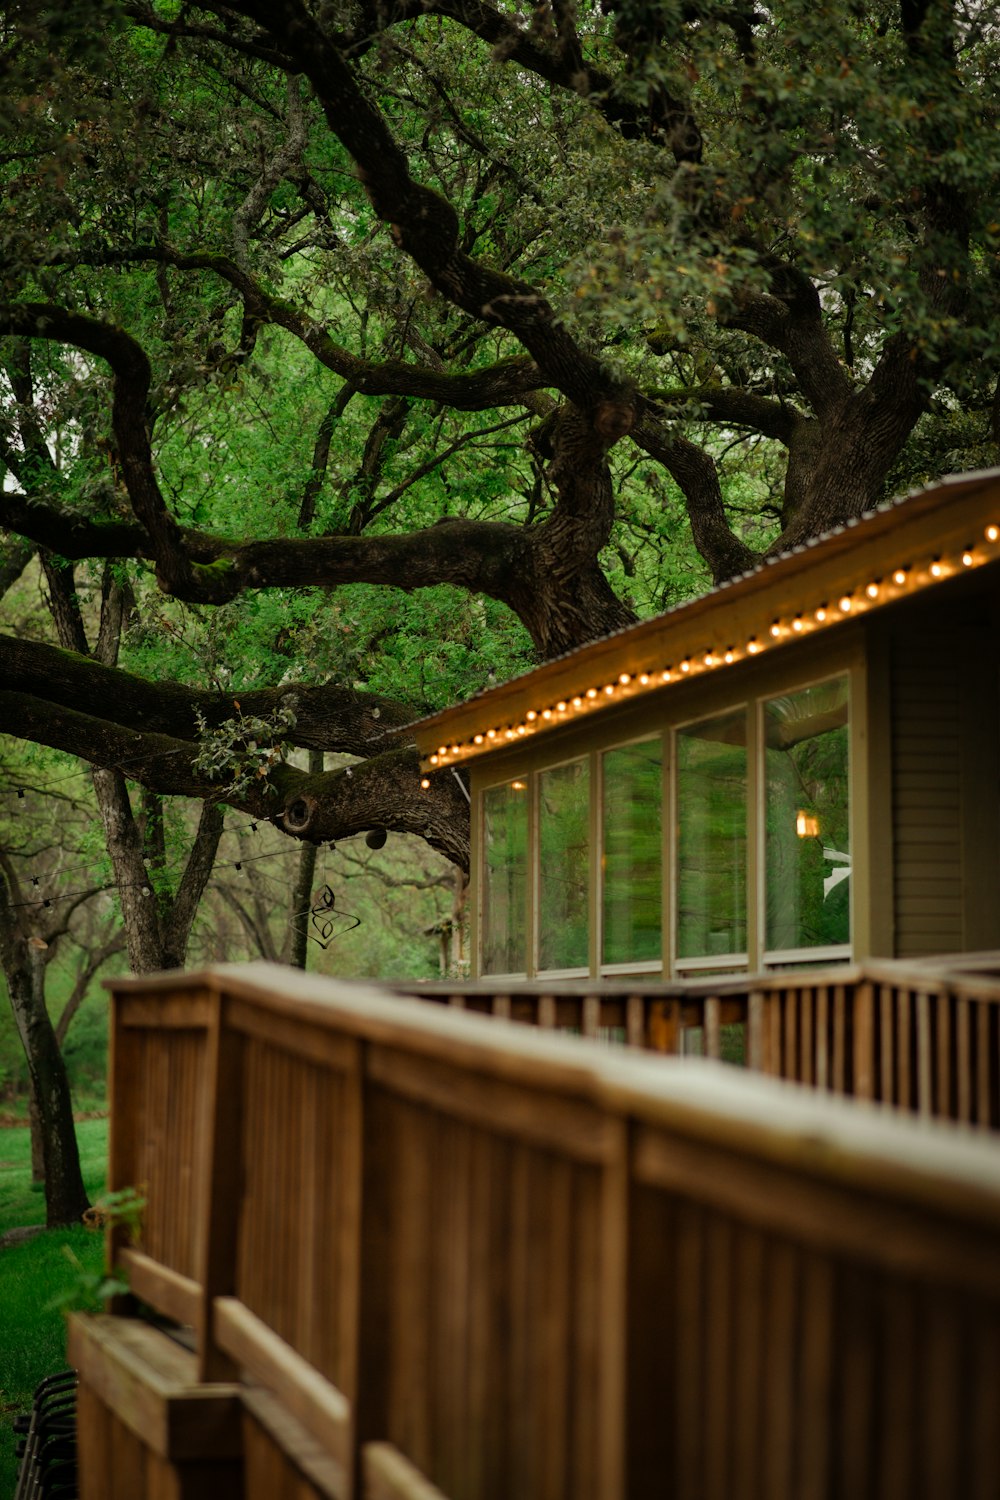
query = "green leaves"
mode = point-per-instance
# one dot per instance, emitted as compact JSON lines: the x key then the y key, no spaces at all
{"x":244,"y":749}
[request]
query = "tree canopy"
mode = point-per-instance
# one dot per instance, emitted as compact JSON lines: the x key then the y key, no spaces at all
{"x":356,"y":350}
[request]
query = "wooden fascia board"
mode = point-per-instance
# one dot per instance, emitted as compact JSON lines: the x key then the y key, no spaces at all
{"x":936,"y":524}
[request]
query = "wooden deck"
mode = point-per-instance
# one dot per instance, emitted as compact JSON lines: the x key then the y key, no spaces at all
{"x":923,"y":1037}
{"x":412,"y":1253}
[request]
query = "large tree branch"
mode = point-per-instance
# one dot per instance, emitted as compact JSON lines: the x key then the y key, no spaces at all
{"x":384,"y":792}
{"x":789,"y":319}
{"x":426,"y":226}
{"x":327,"y":717}
{"x":695,"y":473}
{"x":734,"y":407}
{"x":131,"y":371}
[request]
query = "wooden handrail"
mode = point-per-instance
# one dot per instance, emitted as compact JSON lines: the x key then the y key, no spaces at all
{"x":495,"y":1261}
{"x":922,"y":1036}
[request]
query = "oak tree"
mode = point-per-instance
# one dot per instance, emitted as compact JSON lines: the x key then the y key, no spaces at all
{"x":331,"y":302}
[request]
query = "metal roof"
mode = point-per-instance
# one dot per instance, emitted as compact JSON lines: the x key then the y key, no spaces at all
{"x":902,"y":547}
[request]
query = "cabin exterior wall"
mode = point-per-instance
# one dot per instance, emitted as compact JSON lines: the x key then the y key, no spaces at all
{"x":924,"y":793}
{"x":658,"y":719}
{"x":945,"y":771}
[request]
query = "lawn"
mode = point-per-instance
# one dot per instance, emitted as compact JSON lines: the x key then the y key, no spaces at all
{"x":33,"y":1275}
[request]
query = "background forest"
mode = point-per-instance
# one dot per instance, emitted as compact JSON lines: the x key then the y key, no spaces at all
{"x":357,"y":353}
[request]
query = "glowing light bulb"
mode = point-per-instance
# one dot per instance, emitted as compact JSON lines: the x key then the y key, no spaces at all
{"x":845,"y":604}
{"x":685,"y":666}
{"x":992,"y":532}
{"x":546,"y":713}
{"x":936,"y":569}
{"x":434,"y":760}
{"x":872,"y":591}
{"x":753,"y":646}
{"x":424,"y":783}
{"x":442,"y":749}
{"x":624,"y":678}
{"x":509,"y":734}
{"x":521,"y":728}
{"x":821,"y":613}
{"x":531,"y":716}
{"x":491,"y":734}
{"x":665,"y":675}
{"x":561,"y":706}
{"x":454,"y":749}
{"x":967,"y":559}
{"x":730,"y":657}
{"x":577,"y":702}
{"x":610,"y":689}
{"x":477,"y":739}
{"x":776,"y":630}
{"x":797,"y":623}
{"x":899,"y":577}
{"x":591,"y":692}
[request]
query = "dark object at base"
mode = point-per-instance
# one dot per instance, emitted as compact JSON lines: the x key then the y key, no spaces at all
{"x":47,"y":1446}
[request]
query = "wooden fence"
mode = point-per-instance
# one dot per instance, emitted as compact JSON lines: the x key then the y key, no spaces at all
{"x":420,"y":1255}
{"x":924,"y":1037}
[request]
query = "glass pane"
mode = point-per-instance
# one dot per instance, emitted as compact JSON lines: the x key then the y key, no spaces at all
{"x":505,"y":879}
{"x":807,"y":830}
{"x":712,"y":836}
{"x":630,"y":859}
{"x":564,"y":870}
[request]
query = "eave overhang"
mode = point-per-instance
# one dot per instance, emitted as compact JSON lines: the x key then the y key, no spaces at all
{"x":896,"y":552}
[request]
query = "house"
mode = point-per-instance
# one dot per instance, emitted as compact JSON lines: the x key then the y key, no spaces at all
{"x":799,"y":767}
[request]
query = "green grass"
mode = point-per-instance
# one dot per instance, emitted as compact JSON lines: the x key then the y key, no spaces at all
{"x":33,"y":1274}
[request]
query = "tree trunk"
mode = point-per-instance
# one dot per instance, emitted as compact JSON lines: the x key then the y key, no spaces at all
{"x":65,"y":1195}
{"x":304,"y":879}
{"x":139,"y":912}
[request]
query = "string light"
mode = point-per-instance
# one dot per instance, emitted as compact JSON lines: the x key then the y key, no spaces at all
{"x":908,"y":576}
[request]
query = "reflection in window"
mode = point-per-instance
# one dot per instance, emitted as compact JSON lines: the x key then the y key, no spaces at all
{"x":505,"y":877}
{"x":631,"y":802}
{"x":712,"y":837}
{"x":806,"y":807}
{"x":564,"y":866}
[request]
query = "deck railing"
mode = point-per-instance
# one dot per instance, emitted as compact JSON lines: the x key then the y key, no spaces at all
{"x":924,"y":1037}
{"x":437,"y":1257}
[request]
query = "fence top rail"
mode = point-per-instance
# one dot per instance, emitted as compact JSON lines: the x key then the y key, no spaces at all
{"x":866,"y":1146}
{"x":976,"y":975}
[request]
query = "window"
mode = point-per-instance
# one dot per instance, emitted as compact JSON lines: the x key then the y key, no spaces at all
{"x":505,"y":879}
{"x":806,"y":835}
{"x":711,"y":837}
{"x":563,"y":866}
{"x":631,"y":798}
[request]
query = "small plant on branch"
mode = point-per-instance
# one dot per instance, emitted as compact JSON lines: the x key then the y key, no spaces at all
{"x":244,"y":748}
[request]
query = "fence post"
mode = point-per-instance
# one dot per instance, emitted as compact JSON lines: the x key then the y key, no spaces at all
{"x":864,"y":1041}
{"x":222,"y":1185}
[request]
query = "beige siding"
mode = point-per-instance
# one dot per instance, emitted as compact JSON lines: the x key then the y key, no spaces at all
{"x":927,"y":789}
{"x":946,"y":777}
